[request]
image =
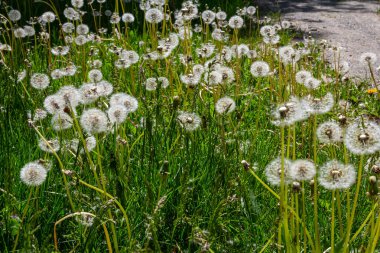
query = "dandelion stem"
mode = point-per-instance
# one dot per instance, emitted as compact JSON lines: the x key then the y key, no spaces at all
{"x":22,"y":220}
{"x":357,"y":190}
{"x":113,"y":199}
{"x":316,"y":224}
{"x":332,"y":220}
{"x":290,"y":209}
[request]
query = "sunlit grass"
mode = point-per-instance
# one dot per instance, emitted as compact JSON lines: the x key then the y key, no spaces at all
{"x":155,"y":141}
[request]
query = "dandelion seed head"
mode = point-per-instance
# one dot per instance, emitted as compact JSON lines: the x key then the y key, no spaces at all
{"x":206,"y":50}
{"x":77,"y":3}
{"x":48,"y":17}
{"x":39,"y":114}
{"x":288,"y":54}
{"x":236,"y":22}
{"x":89,"y":93}
{"x":213,"y":78}
{"x":80,"y":40}
{"x":251,"y":10}
{"x":208,"y":16}
{"x":82,"y":29}
{"x":329,"y":132}
{"x":285,"y":24}
{"x":19,"y":33}
{"x":260,"y":69}
{"x":33,"y":174}
{"x":362,"y":137}
{"x":70,"y":70}
{"x":315,"y":105}
{"x":117,"y":114}
{"x":288,"y":113}
{"x":57,"y":74}
{"x":49,"y":146}
{"x":14,"y":15}
{"x":95,"y":75}
{"x":221,"y":15}
{"x":68,"y":27}
{"x":104,"y":88}
{"x":96,"y":64}
{"x":60,"y":50}
{"x":274,"y":170}
{"x":115,"y":18}
{"x":126,"y":100}
{"x":54,"y":103}
{"x":302,"y":76}
{"x":190,"y":80}
{"x":228,"y":75}
{"x":218,"y":34}
{"x":128,"y":18}
{"x":189,"y":121}
{"x":252,"y":54}
{"x":273,"y":40}
{"x":368,"y":58}
{"x":154,"y":16}
{"x":302,"y":170}
{"x":267,"y":31}
{"x":335,"y":175}
{"x":94,"y":121}
{"x":225,"y":105}
{"x":131,"y":56}
{"x":71,"y":14}
{"x":29,"y":30}
{"x":312,"y":83}
{"x":61,"y":121}
{"x":70,"y":95}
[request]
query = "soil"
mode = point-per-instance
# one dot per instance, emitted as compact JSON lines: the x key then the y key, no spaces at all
{"x":353,"y":25}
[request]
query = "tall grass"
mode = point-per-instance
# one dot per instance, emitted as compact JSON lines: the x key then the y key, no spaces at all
{"x":149,"y":184}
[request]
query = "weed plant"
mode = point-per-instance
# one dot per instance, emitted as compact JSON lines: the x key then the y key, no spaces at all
{"x":202,"y":133}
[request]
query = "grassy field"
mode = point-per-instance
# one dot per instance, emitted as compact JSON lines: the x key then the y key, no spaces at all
{"x":182,"y":133}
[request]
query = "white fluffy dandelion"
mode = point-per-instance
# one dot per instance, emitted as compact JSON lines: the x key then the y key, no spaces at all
{"x":189,"y":121}
{"x":95,"y":75}
{"x":302,"y":76}
{"x":259,"y":69}
{"x":368,"y":58}
{"x":321,"y":105}
{"x":312,"y":83}
{"x":225,"y":105}
{"x":329,"y":132}
{"x":54,"y":103}
{"x":154,"y":16}
{"x":14,"y":15}
{"x":39,"y":81}
{"x":49,"y":146}
{"x":61,"y":121}
{"x":301,"y":170}
{"x":126,"y":100}
{"x":94,"y":121}
{"x":117,"y":114}
{"x":362,"y":137}
{"x":48,"y":17}
{"x":274,"y":171}
{"x":33,"y":174}
{"x":335,"y":175}
{"x":236,"y":22}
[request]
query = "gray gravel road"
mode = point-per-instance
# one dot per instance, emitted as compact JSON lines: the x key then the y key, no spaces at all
{"x":353,"y":25}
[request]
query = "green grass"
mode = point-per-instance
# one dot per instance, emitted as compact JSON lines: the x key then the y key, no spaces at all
{"x":181,"y":191}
